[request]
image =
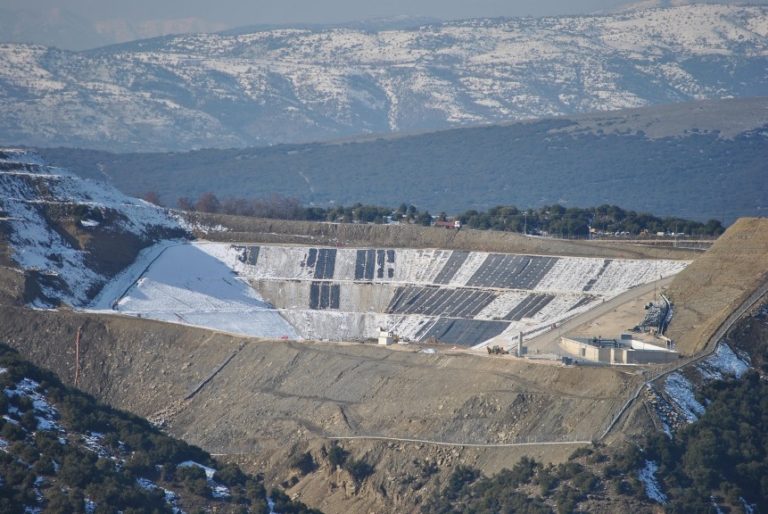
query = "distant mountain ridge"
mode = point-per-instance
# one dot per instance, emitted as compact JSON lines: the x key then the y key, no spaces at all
{"x":65,"y":29}
{"x":299,"y":85}
{"x":655,"y":4}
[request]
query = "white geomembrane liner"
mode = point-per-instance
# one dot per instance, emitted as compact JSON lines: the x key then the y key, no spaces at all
{"x":186,"y":284}
{"x":205,"y":284}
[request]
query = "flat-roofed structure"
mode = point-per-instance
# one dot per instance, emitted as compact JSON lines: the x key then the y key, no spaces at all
{"x":624,"y":350}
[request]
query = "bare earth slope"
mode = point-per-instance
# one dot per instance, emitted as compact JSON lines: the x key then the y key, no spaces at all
{"x":717,"y":282}
{"x":274,"y":399}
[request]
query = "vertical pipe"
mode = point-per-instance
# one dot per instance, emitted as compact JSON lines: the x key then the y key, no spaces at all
{"x":77,"y":357}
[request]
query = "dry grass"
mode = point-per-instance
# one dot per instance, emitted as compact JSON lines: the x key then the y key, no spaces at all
{"x":714,"y":285}
{"x":256,"y":230}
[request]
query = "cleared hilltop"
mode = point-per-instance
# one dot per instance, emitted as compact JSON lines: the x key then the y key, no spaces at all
{"x":718,"y":282}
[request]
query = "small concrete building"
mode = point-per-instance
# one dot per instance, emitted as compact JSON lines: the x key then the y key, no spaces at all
{"x":625,"y":350}
{"x":385,"y":337}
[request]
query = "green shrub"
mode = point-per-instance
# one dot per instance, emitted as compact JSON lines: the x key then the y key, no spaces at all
{"x":547,"y":481}
{"x":580,"y":452}
{"x":585,"y":482}
{"x":337,"y":455}
{"x":461,"y":477}
{"x":304,"y":463}
{"x":184,"y":473}
{"x":566,"y":500}
{"x":359,"y":469}
{"x":230,"y":475}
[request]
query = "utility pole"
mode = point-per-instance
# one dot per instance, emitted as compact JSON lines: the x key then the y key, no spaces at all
{"x":77,"y":357}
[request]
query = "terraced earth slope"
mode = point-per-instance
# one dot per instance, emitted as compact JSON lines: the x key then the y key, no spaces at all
{"x":69,"y":235}
{"x":457,"y":297}
{"x":708,"y":291}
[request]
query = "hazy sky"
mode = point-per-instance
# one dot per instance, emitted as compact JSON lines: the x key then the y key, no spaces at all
{"x":244,"y":12}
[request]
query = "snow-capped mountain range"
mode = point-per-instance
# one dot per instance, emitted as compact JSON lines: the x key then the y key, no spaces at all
{"x":293,"y":85}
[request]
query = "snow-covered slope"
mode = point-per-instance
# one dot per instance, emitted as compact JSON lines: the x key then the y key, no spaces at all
{"x":464,"y":298}
{"x":654,"y":4}
{"x":288,"y":85}
{"x":70,"y":234}
{"x":679,"y":405}
{"x":186,"y":284}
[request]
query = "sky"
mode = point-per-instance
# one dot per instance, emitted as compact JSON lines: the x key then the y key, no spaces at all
{"x":245,"y":12}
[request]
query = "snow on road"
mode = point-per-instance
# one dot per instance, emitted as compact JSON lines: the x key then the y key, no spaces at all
{"x":186,"y":284}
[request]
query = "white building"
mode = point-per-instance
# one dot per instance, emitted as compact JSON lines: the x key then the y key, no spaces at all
{"x":386,"y":337}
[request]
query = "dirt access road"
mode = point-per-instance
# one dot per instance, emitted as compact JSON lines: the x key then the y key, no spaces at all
{"x":548,"y":341}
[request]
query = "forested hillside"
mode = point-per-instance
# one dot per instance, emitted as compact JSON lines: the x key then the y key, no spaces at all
{"x":719,"y":462}
{"x":555,"y":220}
{"x":61,"y":451}
{"x":691,"y":174}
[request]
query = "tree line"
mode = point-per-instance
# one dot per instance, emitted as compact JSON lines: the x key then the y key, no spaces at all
{"x":579,"y":222}
{"x":717,"y":464}
{"x":54,"y":469}
{"x":552,"y":220}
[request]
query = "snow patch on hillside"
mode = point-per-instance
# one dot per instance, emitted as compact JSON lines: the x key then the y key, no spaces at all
{"x":680,"y":390}
{"x":647,"y":476}
{"x":45,"y":413}
{"x":724,"y":362}
{"x":217,"y":490}
{"x":28,"y":188}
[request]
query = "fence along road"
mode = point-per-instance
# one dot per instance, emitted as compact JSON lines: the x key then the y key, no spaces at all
{"x":449,"y":443}
{"x":750,"y":302}
{"x":711,"y":346}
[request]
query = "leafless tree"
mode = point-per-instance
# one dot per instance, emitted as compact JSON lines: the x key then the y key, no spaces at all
{"x":185,"y":204}
{"x":208,"y":203}
{"x":152,"y":197}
